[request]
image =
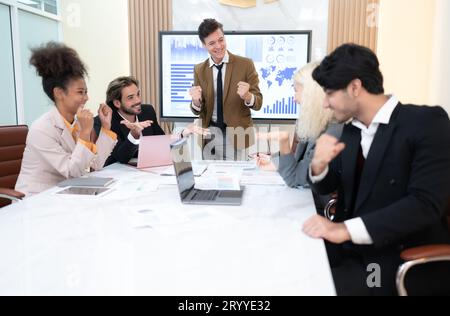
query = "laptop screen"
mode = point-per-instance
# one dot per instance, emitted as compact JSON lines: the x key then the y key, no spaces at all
{"x":183,"y":167}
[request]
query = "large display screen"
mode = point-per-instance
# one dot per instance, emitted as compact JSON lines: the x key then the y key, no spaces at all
{"x":277,"y":57}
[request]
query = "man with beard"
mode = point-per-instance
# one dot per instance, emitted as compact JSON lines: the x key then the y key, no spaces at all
{"x":392,"y":178}
{"x":131,"y":119}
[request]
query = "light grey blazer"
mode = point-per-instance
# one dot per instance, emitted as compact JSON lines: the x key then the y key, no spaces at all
{"x":52,"y":155}
{"x":293,"y":168}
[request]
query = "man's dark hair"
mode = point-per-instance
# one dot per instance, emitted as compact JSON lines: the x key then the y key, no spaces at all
{"x":208,"y":27}
{"x":115,"y":88}
{"x":57,"y":64}
{"x":347,"y":63}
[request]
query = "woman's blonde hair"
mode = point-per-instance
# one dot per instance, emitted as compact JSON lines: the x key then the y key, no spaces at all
{"x":313,"y":117}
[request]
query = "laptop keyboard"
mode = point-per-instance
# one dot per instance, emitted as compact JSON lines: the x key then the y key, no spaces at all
{"x":205,"y":195}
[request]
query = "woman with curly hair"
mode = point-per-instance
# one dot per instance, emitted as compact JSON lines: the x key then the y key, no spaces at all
{"x":60,"y":144}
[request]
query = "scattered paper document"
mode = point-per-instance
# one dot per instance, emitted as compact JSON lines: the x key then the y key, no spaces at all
{"x":221,"y":182}
{"x":262,"y":178}
{"x":198,"y":170}
{"x":242,"y":165}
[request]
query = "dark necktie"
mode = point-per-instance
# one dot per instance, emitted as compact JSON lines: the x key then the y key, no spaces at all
{"x":360,"y":162}
{"x":220,"y":122}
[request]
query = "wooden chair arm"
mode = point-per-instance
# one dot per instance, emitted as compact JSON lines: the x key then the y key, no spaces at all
{"x":11,"y":194}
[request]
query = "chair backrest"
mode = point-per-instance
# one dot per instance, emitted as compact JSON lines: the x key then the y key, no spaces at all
{"x":448,"y":214}
{"x":12,"y":146}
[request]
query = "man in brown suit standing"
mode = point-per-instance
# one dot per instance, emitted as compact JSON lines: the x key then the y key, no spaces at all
{"x":224,"y":92}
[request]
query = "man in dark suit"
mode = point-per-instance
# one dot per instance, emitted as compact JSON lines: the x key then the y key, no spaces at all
{"x":131,"y":119}
{"x":391,"y":169}
{"x":226,"y":89}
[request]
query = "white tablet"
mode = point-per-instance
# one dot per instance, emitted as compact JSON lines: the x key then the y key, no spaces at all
{"x":84,"y":191}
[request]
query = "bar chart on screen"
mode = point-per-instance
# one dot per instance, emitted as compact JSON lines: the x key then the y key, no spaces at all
{"x":182,"y":79}
{"x":284,"y":106}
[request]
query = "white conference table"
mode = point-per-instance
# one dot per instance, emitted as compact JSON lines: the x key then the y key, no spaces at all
{"x":141,"y":240}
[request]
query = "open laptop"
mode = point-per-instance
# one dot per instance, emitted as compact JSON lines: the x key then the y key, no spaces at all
{"x":154,"y":151}
{"x":186,"y":182}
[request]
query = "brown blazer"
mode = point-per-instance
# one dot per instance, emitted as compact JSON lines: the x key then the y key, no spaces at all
{"x":235,"y":112}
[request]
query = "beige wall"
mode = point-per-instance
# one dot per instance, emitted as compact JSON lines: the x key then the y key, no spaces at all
{"x":98,"y":30}
{"x":405,"y":46}
{"x":413,"y":45}
{"x":440,"y":71}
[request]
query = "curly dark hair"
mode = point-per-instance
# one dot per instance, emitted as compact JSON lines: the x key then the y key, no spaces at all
{"x":57,"y":64}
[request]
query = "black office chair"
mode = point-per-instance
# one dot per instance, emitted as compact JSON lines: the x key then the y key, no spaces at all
{"x":330,"y":209}
{"x":420,"y":256}
{"x":412,"y":257}
{"x":12,"y":146}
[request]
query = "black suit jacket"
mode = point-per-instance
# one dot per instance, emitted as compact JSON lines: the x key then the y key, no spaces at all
{"x":125,"y":150}
{"x":404,"y":188}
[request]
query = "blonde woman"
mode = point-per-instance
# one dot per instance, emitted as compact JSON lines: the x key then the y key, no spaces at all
{"x":293,"y":162}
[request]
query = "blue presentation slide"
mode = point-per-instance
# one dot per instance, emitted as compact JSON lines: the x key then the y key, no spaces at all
{"x":277,"y":57}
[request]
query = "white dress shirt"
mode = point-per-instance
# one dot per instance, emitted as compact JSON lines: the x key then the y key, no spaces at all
{"x":356,"y":226}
